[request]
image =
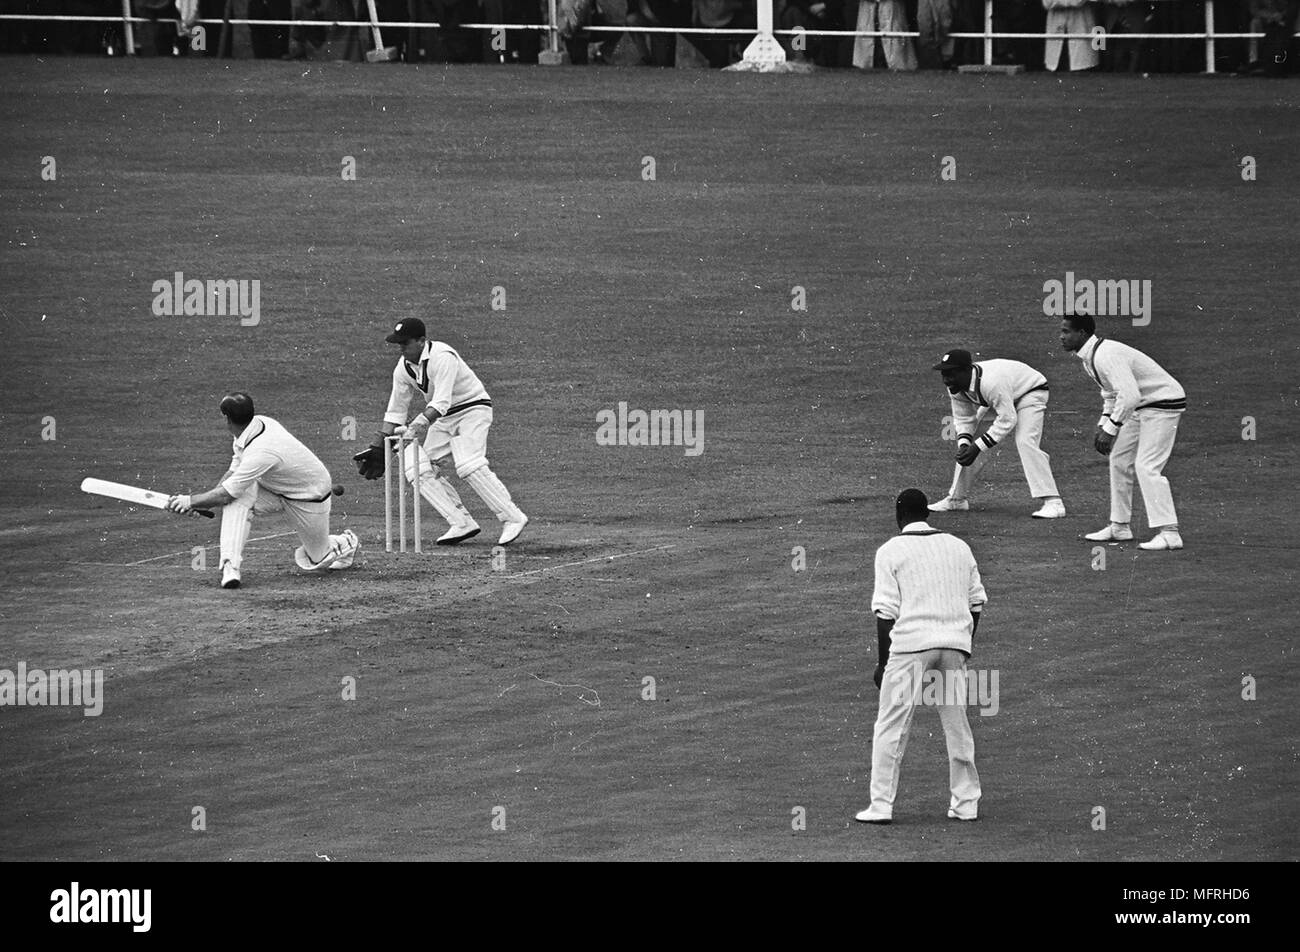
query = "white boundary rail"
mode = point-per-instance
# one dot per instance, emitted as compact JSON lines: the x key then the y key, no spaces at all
{"x":1209,"y":36}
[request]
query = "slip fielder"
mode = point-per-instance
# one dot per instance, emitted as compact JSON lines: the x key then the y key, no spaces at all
{"x":990,"y":400}
{"x":1141,"y":406}
{"x":456,"y":410}
{"x":271,"y":471}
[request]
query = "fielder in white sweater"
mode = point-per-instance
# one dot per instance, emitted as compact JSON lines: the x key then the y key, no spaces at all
{"x":1141,"y":406}
{"x":927,"y":600}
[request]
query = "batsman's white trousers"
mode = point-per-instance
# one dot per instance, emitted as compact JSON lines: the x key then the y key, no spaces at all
{"x":1142,"y":449}
{"x":1029,"y":433}
{"x":900,"y":694}
{"x":311,"y":520}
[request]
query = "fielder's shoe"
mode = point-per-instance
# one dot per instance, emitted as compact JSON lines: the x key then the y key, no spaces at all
{"x":1052,"y":509}
{"x":1167,"y":539}
{"x":459,"y":534}
{"x":510,"y":531}
{"x":870,"y":815}
{"x":1112,"y":533}
{"x":229,"y":576}
{"x":350,"y":550}
{"x":954,"y":815}
{"x":950,"y":504}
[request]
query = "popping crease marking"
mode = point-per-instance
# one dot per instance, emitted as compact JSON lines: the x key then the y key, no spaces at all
{"x":581,"y":693}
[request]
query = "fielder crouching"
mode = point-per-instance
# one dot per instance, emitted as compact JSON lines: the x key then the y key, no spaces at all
{"x":271,"y":471}
{"x":455,"y":413}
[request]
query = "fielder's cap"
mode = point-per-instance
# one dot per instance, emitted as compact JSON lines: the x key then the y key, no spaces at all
{"x":912,"y":500}
{"x":410,"y":329}
{"x":954,"y":360}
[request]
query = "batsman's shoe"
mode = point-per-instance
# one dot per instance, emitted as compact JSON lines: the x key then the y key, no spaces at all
{"x":872,"y":815}
{"x":510,"y":531}
{"x":954,"y":815}
{"x":950,"y":504}
{"x":457,"y":534}
{"x":1052,"y":509}
{"x":1167,"y":539}
{"x":350,"y":551}
{"x":229,"y":576}
{"x":1112,"y":533}
{"x":307,"y":565}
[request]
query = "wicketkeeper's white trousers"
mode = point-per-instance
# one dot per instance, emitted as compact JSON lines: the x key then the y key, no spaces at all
{"x":1028,"y":433}
{"x":311,"y":520}
{"x":1142,"y":449}
{"x":900,"y":694}
{"x":463,"y":438}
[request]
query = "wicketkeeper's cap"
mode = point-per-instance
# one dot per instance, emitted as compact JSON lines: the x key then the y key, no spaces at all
{"x":954,"y":360}
{"x":410,"y":329}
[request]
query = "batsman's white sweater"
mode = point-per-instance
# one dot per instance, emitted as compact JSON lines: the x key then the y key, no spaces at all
{"x":999,"y":385}
{"x":928,"y":582}
{"x":1129,"y":380}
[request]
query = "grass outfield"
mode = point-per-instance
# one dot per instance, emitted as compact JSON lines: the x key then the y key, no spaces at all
{"x":521,"y":686}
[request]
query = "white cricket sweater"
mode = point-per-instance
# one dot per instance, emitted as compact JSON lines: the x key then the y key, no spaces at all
{"x":1129,"y":380}
{"x":928,"y":582}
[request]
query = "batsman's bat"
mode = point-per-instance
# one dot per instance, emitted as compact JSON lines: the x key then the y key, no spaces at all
{"x":144,"y":497}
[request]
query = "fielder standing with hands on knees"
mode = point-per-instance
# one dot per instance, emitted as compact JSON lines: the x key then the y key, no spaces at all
{"x":452,"y":423}
{"x":271,"y":471}
{"x":927,"y":602}
{"x":1141,"y":404}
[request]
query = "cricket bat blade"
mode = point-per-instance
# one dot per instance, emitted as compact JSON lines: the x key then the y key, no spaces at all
{"x":143,"y":497}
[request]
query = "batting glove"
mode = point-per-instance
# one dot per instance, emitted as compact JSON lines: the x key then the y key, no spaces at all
{"x":180,"y":504}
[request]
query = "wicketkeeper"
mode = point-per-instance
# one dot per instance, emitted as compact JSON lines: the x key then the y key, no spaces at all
{"x":452,"y":423}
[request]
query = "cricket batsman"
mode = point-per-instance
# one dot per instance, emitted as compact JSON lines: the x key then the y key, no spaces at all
{"x":452,"y":424}
{"x":271,"y":472}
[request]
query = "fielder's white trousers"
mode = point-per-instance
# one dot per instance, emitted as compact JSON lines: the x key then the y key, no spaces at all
{"x":900,"y":694}
{"x":898,"y":49}
{"x":1028,"y":433}
{"x":311,"y":520}
{"x":1142,"y":449}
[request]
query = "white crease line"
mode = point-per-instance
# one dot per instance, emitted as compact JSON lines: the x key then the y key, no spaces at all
{"x":172,"y":555}
{"x":599,"y":558}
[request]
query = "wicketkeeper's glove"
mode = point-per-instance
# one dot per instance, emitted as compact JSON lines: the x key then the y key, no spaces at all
{"x":370,"y":462}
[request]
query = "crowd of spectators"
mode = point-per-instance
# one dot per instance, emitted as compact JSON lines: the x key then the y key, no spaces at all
{"x":166,"y":33}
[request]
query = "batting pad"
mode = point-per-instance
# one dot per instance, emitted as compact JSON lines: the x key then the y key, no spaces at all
{"x":442,"y":495}
{"x":493,"y":492}
{"x":236,"y":521}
